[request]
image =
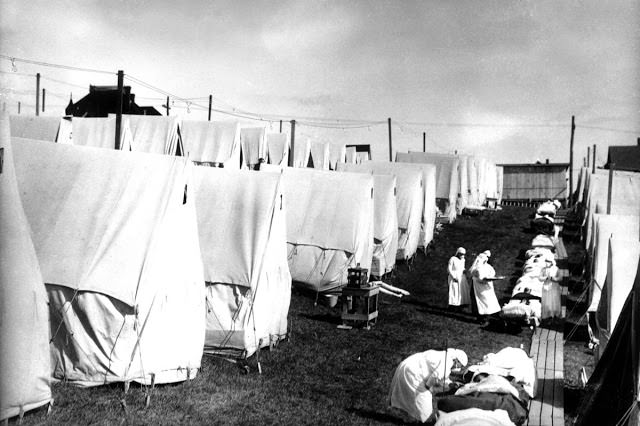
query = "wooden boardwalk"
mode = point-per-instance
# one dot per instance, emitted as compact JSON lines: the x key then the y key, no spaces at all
{"x":547,"y":351}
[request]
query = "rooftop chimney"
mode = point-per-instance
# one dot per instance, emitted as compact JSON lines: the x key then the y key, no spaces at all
{"x":547,"y":161}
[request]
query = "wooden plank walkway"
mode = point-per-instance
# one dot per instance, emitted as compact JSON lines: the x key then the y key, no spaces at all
{"x":547,"y":351}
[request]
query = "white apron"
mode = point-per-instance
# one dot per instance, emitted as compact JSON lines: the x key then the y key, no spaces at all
{"x":458,"y":290}
{"x":485,"y":295}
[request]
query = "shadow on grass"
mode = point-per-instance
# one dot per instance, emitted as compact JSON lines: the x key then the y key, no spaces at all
{"x":378,"y":416}
{"x":328,"y":318}
{"x":573,"y":396}
{"x":442,"y":311}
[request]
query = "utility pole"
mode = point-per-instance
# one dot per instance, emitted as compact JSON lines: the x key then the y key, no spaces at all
{"x":166,"y":106}
{"x":612,"y":166}
{"x":210,"y":101}
{"x":588,"y":155}
{"x":119,"y":108}
{"x":424,"y":141}
{"x":18,"y":107}
{"x":573,"y":129}
{"x":390,"y":140}
{"x":43,"y":97}
{"x":293,"y":142}
{"x":280,"y":126}
{"x":37,"y":94}
{"x":594,"y":158}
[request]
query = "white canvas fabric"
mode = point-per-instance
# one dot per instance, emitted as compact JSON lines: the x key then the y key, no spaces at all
{"x":241,"y":224}
{"x":38,"y":127}
{"x":622,"y":266}
{"x":447,"y":175}
{"x":385,"y":229}
{"x":350,"y":155}
{"x":622,"y":228}
{"x":301,"y":153}
{"x":500,"y":183}
{"x":330,"y":225}
{"x":625,"y":196}
{"x":320,"y":155}
{"x":430,"y":210}
{"x":212,"y":142}
{"x":482,"y":166}
{"x":409,"y":200}
{"x":155,"y":134}
{"x":464,"y":184}
{"x":337,"y":154}
{"x":278,"y":148}
{"x":117,"y":241}
{"x":252,"y":143}
{"x":473,"y":187}
{"x":24,"y":318}
{"x":99,"y":132}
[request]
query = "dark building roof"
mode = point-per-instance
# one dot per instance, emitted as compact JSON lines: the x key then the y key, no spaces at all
{"x":103,"y":100}
{"x":624,"y":157}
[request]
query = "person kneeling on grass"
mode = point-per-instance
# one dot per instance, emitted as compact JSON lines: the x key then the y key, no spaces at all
{"x":420,"y":376}
{"x":458,"y":285}
{"x":486,"y":299}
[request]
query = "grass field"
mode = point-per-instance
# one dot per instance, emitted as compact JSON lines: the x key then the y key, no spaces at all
{"x":324,"y":375}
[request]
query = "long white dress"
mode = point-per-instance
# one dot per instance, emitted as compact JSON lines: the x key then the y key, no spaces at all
{"x":485,"y":295}
{"x":458,"y":290}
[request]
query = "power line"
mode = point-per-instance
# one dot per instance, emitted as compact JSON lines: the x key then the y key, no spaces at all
{"x":608,"y":129}
{"x":13,"y":60}
{"x":16,"y":73}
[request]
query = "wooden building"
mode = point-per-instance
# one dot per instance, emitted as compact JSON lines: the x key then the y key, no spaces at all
{"x":534,"y":182}
{"x":103,"y":100}
{"x":624,"y":158}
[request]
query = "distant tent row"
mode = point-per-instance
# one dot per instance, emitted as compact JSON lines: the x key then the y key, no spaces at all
{"x":611,"y":236}
{"x":462,"y":181}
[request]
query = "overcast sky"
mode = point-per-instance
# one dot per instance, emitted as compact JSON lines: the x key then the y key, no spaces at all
{"x":449,"y":68}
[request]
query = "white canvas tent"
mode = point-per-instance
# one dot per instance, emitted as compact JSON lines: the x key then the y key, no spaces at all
{"x":473,"y":197}
{"x":35,"y":127}
{"x":97,"y":132}
{"x":621,"y":273}
{"x":385,"y":229}
{"x":25,"y":368}
{"x":241,"y":223}
{"x":117,"y":241}
{"x":613,"y":391}
{"x":212,"y":142}
{"x":500,"y":182}
{"x":278,"y":148}
{"x":625,"y":197}
{"x":302,"y":153}
{"x":622,"y":228}
{"x":253,"y":145}
{"x":329,"y":225}
{"x":155,"y":134}
{"x":447,"y":176}
{"x":429,"y":210}
{"x":320,"y":155}
{"x":337,"y":154}
{"x":409,"y":200}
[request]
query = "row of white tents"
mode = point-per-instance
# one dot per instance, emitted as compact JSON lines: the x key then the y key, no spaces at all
{"x":124,"y":242}
{"x":611,"y":232}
